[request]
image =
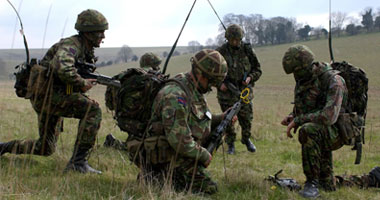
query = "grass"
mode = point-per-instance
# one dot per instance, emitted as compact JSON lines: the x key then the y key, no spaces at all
{"x":35,"y":177}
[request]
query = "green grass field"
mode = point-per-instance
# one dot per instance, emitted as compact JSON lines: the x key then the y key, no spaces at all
{"x":34,"y":177}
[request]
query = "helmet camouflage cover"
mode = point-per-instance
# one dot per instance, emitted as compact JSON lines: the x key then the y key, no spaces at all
{"x":234,"y":31}
{"x":150,"y":60}
{"x":91,"y":20}
{"x":297,"y":57}
{"x":211,"y":64}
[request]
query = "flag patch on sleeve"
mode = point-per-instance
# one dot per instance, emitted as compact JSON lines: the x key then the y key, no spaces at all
{"x":182,"y":101}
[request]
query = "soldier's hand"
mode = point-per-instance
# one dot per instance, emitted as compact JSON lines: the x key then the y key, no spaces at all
{"x":291,"y":126}
{"x":223,"y":87}
{"x":287,"y":120}
{"x":207,"y":163}
{"x":234,"y":119}
{"x":88,"y":85}
{"x":247,"y":81}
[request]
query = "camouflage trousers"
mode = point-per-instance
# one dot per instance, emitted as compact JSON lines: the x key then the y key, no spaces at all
{"x":50,"y":116}
{"x":245,"y":117}
{"x":186,"y":176}
{"x":318,"y":142}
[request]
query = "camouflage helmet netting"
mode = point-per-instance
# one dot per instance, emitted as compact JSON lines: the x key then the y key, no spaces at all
{"x":91,"y":20}
{"x":150,"y":60}
{"x":297,"y":57}
{"x":211,"y":64}
{"x":234,"y":31}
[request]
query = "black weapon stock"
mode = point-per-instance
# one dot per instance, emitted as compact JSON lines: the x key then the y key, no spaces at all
{"x":86,"y":71}
{"x":217,"y":134}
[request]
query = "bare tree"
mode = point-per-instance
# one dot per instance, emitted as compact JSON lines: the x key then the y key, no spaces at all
{"x":193,"y":46}
{"x":337,"y":21}
{"x":124,"y":54}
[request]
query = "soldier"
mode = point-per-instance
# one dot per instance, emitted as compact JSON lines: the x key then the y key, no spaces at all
{"x":320,"y":95}
{"x":149,"y":62}
{"x":66,"y":97}
{"x":180,"y":123}
{"x":243,"y":71}
{"x":372,"y":179}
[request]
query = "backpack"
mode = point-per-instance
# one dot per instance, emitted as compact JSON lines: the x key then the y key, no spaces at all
{"x":357,"y":86}
{"x":132,"y":102}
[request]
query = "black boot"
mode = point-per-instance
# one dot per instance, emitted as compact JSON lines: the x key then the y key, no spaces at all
{"x":6,"y":147}
{"x":250,"y":146}
{"x":79,"y":163}
{"x":310,"y":189}
{"x":231,"y":148}
{"x":110,"y":141}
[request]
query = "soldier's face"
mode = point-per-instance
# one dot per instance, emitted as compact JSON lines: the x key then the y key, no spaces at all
{"x":95,"y":37}
{"x":235,"y":42}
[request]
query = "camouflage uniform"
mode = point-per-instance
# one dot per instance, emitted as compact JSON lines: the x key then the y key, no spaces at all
{"x":242,"y":63}
{"x":172,"y":149}
{"x":320,"y":95}
{"x":372,"y":179}
{"x":63,"y":99}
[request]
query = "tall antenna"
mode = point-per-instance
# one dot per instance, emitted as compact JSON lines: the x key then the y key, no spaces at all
{"x":14,"y":30}
{"x":330,"y":39}
{"x":46,"y":24}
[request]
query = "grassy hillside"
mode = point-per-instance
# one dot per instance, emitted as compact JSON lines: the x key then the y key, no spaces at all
{"x":34,"y":177}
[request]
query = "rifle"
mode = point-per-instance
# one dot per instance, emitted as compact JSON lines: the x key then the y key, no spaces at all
{"x":232,"y":87}
{"x":284,"y":182}
{"x":217,"y":134}
{"x":359,"y":141}
{"x":86,"y":70}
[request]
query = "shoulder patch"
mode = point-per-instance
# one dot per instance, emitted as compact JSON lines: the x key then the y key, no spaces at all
{"x":181,"y":100}
{"x":73,"y":51}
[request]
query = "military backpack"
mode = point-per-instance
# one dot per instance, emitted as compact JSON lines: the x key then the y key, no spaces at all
{"x":132,"y":102}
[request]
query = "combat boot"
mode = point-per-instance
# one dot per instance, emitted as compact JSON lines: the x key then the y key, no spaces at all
{"x":6,"y":147}
{"x":231,"y":148}
{"x":250,"y":146}
{"x":310,"y":189}
{"x":79,"y":163}
{"x":110,"y":140}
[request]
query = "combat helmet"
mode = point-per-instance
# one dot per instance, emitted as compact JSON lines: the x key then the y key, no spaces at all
{"x":234,"y":31}
{"x":150,"y":60}
{"x":91,"y":20}
{"x":211,"y":64}
{"x":297,"y":57}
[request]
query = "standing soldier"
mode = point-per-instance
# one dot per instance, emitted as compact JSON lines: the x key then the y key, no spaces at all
{"x":180,"y":123}
{"x":243,"y":71}
{"x":320,"y":96}
{"x":66,"y":96}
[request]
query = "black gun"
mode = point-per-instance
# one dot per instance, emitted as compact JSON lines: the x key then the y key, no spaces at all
{"x":86,"y":71}
{"x":217,"y":134}
{"x":284,"y":182}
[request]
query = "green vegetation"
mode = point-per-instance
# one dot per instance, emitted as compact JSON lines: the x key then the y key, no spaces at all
{"x":34,"y":177}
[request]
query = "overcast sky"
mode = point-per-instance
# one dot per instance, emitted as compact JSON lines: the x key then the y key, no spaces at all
{"x":155,"y":22}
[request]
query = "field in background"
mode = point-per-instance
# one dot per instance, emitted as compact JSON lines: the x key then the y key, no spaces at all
{"x":34,"y":177}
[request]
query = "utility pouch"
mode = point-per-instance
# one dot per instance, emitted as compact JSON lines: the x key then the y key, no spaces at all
{"x":349,"y":127}
{"x":38,"y":83}
{"x":165,"y":152}
{"x":150,"y":146}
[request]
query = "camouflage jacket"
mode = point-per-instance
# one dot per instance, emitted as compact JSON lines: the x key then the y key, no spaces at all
{"x":241,"y":63}
{"x":184,"y":120}
{"x":62,"y":57}
{"x":321,"y":99}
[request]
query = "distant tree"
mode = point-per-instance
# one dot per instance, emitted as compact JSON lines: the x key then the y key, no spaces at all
{"x":351,"y":29}
{"x":193,"y":46}
{"x":165,"y":54}
{"x":124,"y":54}
{"x":135,"y":58}
{"x":377,"y":22}
{"x":337,"y":21}
{"x":110,"y":62}
{"x":325,"y":32}
{"x":176,"y":53}
{"x":303,"y":33}
{"x":367,"y":19}
{"x":210,"y":44}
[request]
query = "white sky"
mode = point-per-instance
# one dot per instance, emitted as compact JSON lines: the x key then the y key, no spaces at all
{"x":156,"y":22}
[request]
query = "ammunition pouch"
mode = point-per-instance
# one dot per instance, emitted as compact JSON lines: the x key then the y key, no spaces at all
{"x":155,"y":150}
{"x":39,"y":81}
{"x":348,"y":125}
